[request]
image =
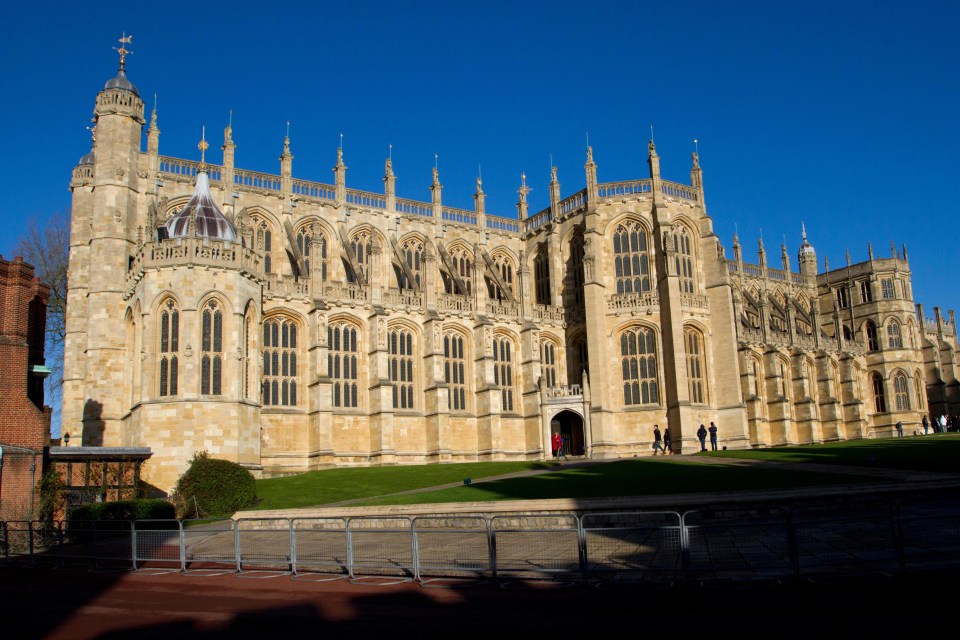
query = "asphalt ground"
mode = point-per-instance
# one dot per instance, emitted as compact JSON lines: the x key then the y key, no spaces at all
{"x":41,"y":603}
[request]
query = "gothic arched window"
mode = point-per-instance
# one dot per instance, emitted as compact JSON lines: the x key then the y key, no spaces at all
{"x":631,"y":258}
{"x":504,"y":269}
{"x":548,"y":363}
{"x":894,"y":338}
{"x":503,"y":355}
{"x":211,"y":348}
{"x":280,"y":362}
{"x":400,"y":366}
{"x":412,"y":254}
{"x":576,"y":267}
{"x":342,"y":360}
{"x":684,"y":248}
{"x":305,"y":239}
{"x":454,"y":370}
{"x":879,"y":394}
{"x":873,"y":341}
{"x":461,"y":261}
{"x":169,"y":348}
{"x":264,"y":242}
{"x":541,"y":276}
{"x":361,"y":244}
{"x":638,"y":361}
{"x":696,"y":380}
{"x":901,"y":392}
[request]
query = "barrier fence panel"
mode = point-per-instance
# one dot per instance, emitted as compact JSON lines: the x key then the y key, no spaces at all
{"x":452,"y":547}
{"x":113,"y":545}
{"x":381,"y":546}
{"x":264,"y":544}
{"x":320,"y":548}
{"x":738,"y":544}
{"x":628,"y":547}
{"x":209,"y":545}
{"x":536,"y":547}
{"x":156,"y":545}
{"x":930,"y":533}
{"x":832,"y":539}
{"x":77,"y":547}
{"x":18,"y":543}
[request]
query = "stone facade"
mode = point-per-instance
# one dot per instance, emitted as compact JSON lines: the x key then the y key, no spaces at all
{"x":344,"y":327}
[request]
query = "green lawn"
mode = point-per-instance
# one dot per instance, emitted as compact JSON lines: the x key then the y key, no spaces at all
{"x":335,"y":485}
{"x":940,"y":452}
{"x":632,"y":477}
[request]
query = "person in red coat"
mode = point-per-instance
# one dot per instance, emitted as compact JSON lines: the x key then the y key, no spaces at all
{"x":557,"y":442}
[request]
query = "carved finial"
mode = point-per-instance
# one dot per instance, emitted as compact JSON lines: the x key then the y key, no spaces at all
{"x":203,"y":146}
{"x":893,"y":249}
{"x":228,"y":132}
{"x":696,"y":153}
{"x":123,"y":51}
{"x":340,"y":154}
{"x":848,"y":257}
{"x":286,"y":141}
{"x":553,"y":174}
{"x":870,"y":251}
{"x":803,"y":231}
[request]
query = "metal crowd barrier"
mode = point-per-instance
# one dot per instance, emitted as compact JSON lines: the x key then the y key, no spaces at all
{"x":725,"y":544}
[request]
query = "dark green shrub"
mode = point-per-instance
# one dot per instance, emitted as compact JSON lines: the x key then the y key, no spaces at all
{"x":144,"y":509}
{"x":212,"y":487}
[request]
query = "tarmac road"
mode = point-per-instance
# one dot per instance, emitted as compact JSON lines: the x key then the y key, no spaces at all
{"x":42,"y":603}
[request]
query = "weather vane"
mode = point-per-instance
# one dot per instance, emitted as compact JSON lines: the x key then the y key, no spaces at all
{"x":122,"y":49}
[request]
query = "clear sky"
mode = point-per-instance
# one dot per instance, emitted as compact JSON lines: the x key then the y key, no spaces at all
{"x":841,"y":115}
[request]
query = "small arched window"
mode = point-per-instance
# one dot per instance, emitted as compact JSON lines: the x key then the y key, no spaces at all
{"x":894,"y":339}
{"x":505,"y":270}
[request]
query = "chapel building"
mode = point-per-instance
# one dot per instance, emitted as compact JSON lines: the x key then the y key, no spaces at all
{"x":290,"y":325}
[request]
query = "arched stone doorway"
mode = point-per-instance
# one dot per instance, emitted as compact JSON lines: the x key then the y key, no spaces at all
{"x":570,"y":425}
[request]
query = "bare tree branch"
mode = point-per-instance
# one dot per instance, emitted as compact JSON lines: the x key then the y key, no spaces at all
{"x":47,"y":248}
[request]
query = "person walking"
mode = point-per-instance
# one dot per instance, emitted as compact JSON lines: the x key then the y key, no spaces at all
{"x":657,"y":441}
{"x":899,"y":429}
{"x":943,"y":423}
{"x":713,"y":436}
{"x":702,"y":436}
{"x":667,"y":442}
{"x":926,"y":425}
{"x":556,"y":443}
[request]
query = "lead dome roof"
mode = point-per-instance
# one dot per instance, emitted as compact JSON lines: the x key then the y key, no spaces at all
{"x":209,"y":221}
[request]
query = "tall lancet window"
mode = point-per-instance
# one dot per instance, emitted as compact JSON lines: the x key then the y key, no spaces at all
{"x":684,"y":248}
{"x":461,"y":262}
{"x":360,"y":243}
{"x":211,"y":348}
{"x":541,"y":276}
{"x":280,"y":362}
{"x":413,"y":255}
{"x":504,"y":269}
{"x":342,"y":361}
{"x":630,"y":258}
{"x":264,"y":239}
{"x":169,"y":348}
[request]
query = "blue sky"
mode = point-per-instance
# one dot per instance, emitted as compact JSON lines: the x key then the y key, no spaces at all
{"x":838,"y":114}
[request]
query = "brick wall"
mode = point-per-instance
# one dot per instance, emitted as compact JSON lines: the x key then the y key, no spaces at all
{"x":24,"y":420}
